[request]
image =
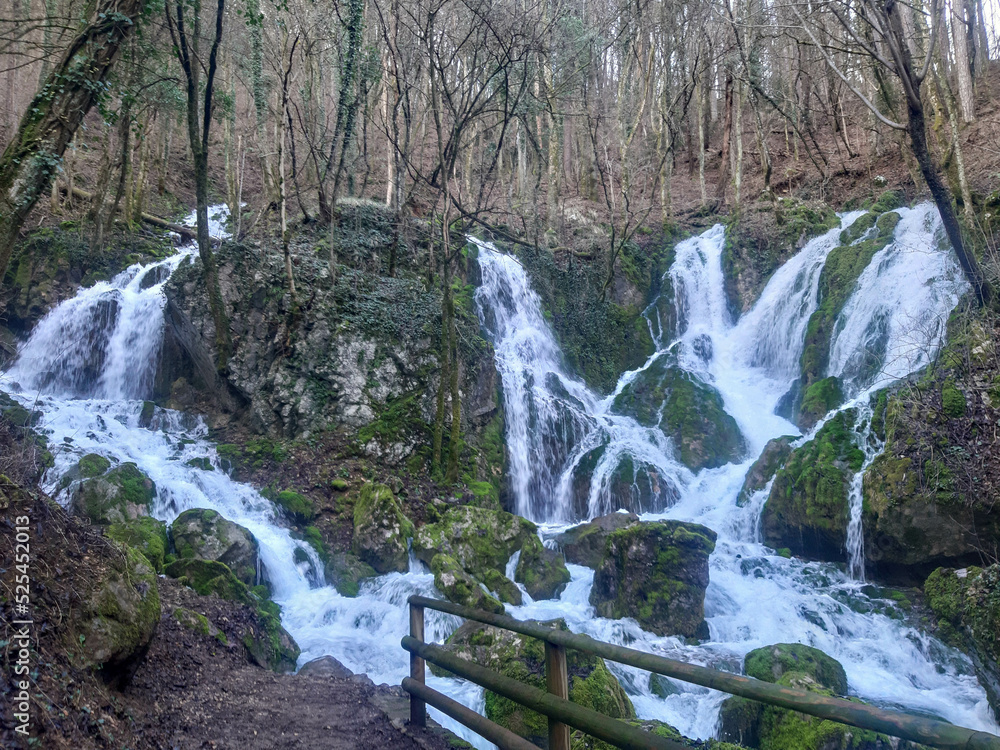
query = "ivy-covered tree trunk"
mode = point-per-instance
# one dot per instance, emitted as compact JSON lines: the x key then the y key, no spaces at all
{"x":74,"y":85}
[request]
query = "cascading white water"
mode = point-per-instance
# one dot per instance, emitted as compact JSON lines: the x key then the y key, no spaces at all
{"x":553,"y":420}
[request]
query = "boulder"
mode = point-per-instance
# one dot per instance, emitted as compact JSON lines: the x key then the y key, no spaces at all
{"x":656,"y":573}
{"x":542,"y":571}
{"x":267,"y":643}
{"x":326,"y":666}
{"x":966,"y":603}
{"x":522,"y":658}
{"x":145,"y":534}
{"x":502,"y":587}
{"x":757,"y":725}
{"x":118,"y":619}
{"x":199,"y":624}
{"x":119,"y":495}
{"x":584,"y":544}
{"x":295,"y":505}
{"x":381,"y":530}
{"x":346,"y":572}
{"x":480,"y":539}
{"x":458,"y":586}
{"x":807,"y":510}
{"x":203,"y":534}
{"x":766,"y":466}
{"x":687,"y":410}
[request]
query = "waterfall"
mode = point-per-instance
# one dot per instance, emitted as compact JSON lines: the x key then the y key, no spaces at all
{"x":574,"y":453}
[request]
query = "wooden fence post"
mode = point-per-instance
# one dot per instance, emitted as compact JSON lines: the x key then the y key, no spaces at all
{"x":418,"y":709}
{"x":557,"y":682}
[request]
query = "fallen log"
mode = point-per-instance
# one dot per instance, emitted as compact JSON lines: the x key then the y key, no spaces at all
{"x":187,"y":233}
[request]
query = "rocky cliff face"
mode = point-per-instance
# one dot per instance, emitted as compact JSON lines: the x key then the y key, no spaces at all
{"x":357,"y":353}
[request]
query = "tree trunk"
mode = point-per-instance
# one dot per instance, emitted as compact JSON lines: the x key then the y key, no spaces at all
{"x":959,"y":34}
{"x":32,"y":157}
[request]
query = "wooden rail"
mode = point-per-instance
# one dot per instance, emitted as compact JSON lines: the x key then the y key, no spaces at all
{"x":563,"y":714}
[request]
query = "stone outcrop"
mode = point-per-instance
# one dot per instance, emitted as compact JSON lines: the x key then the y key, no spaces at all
{"x":205,"y":535}
{"x":771,"y":459}
{"x":807,"y":509}
{"x":585,"y":544}
{"x":542,"y":571}
{"x":656,"y":573}
{"x":381,"y":530}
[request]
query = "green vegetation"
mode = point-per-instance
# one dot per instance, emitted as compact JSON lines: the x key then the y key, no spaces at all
{"x":381,"y":529}
{"x":146,"y":534}
{"x":299,"y":507}
{"x":121,"y":494}
{"x":93,"y":465}
{"x":458,"y":586}
{"x":952,"y":400}
{"x":542,"y":571}
{"x":820,"y":398}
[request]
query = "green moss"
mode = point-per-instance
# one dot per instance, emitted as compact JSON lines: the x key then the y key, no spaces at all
{"x":889,"y":200}
{"x":458,"y":586}
{"x":820,"y":397}
{"x":121,"y":494}
{"x":504,"y":588}
{"x":146,"y":415}
{"x":210,"y":577}
{"x":312,"y":535}
{"x":341,"y":485}
{"x":203,"y":463}
{"x":952,"y":400}
{"x":398,"y":421}
{"x":479,"y":538}
{"x":840,"y":273}
{"x":146,"y":534}
{"x":807,"y":510}
{"x":542,"y":571}
{"x":93,"y":465}
{"x":771,"y":662}
{"x":381,"y":529}
{"x":298,"y":506}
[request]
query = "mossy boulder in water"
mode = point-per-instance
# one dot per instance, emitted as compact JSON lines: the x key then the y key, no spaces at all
{"x":820,"y":399}
{"x":381,"y":530}
{"x":756,"y":725}
{"x":656,"y":573}
{"x":807,"y":509}
{"x":145,"y":534}
{"x":205,"y":535}
{"x":479,"y":538}
{"x":346,"y":572}
{"x":458,"y":586}
{"x":585,"y":544}
{"x":771,"y":459}
{"x":119,"y":618}
{"x":687,"y":410}
{"x":519,"y":657}
{"x":502,"y":587}
{"x":542,"y":571}
{"x":966,"y":603}
{"x":119,"y":495}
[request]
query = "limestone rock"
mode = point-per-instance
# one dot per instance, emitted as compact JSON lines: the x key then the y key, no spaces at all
{"x":584,"y":544}
{"x":458,"y":586}
{"x":478,"y":538}
{"x":205,"y":535}
{"x":326,"y":666}
{"x":346,"y":572}
{"x":119,"y":618}
{"x":657,"y":573}
{"x":807,"y":510}
{"x":119,"y":495}
{"x":767,"y":464}
{"x":502,"y":587}
{"x":381,"y":530}
{"x":542,"y":571}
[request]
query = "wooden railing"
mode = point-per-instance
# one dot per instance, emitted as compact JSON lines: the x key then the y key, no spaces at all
{"x":563,"y":714}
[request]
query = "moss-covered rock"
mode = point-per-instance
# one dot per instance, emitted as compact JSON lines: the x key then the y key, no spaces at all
{"x":966,"y":603}
{"x":266,"y":642}
{"x":953,"y":402}
{"x":479,"y":538}
{"x":121,"y":494}
{"x":807,"y":509}
{"x":199,"y":624}
{"x":585,"y":544}
{"x":819,"y":399}
{"x":840,"y":273}
{"x":119,"y":618}
{"x":757,"y":725}
{"x":522,"y":658}
{"x":502,"y":587}
{"x":542,"y":571}
{"x":689,"y":411}
{"x":93,"y":465}
{"x":458,"y":586}
{"x":381,"y":529}
{"x":772,"y":458}
{"x":346,"y":572}
{"x":656,"y":573}
{"x":145,"y":534}
{"x":205,"y":535}
{"x":299,"y":507}
{"x":761,"y":237}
